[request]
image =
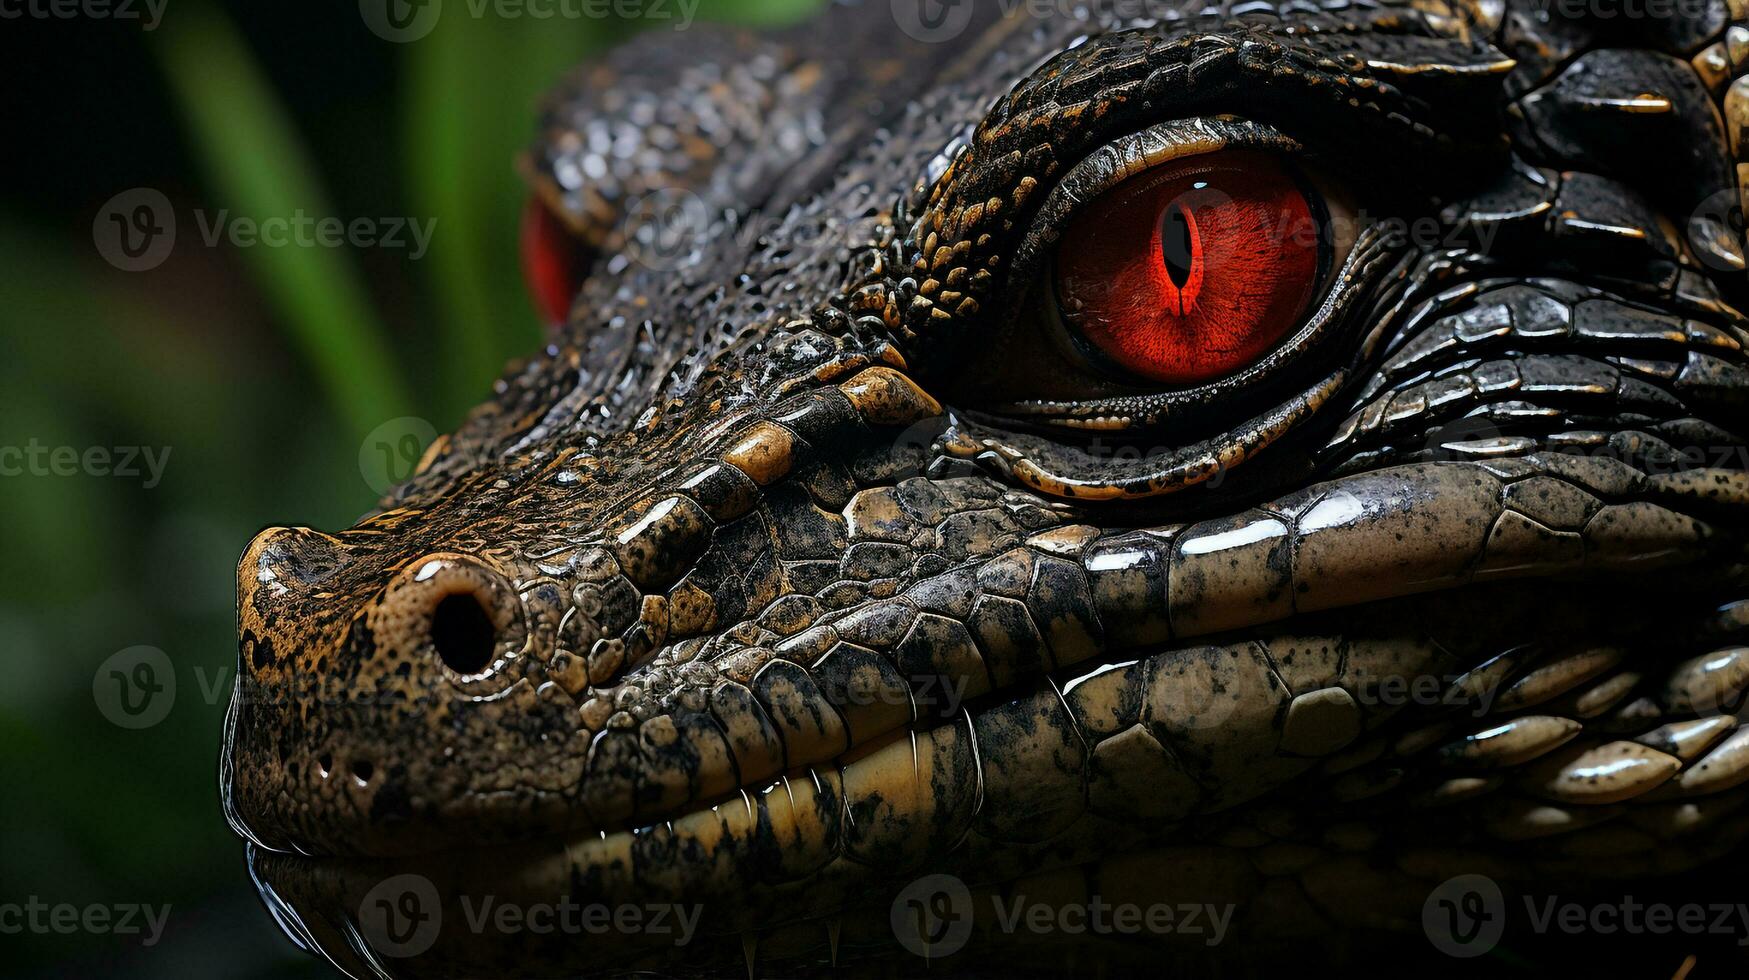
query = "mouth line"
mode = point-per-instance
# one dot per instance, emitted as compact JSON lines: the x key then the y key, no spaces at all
{"x":562,"y":837}
{"x":725,"y":857}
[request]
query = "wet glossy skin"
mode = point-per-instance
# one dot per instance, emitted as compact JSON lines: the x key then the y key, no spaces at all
{"x":794,"y":592}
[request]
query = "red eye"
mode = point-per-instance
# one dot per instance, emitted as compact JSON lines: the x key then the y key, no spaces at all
{"x":552,"y":262}
{"x":1192,"y":270}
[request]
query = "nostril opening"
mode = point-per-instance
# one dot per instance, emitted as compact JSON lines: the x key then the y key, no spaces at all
{"x":325,"y":765}
{"x":362,"y":771}
{"x":462,"y":632}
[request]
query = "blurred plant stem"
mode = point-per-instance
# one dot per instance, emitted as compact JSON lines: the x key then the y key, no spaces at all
{"x":472,"y":86}
{"x":254,"y":159}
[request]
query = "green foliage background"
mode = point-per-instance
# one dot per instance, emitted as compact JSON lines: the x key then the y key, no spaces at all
{"x":260,"y":371}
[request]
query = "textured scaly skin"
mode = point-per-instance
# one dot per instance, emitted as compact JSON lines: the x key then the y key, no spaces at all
{"x":780,"y":626}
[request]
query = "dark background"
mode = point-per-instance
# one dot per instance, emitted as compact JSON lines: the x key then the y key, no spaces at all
{"x":264,"y":372}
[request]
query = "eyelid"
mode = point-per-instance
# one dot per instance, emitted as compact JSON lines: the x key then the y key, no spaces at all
{"x":1044,"y":380}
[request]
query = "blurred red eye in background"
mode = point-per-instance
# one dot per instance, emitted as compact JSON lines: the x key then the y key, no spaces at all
{"x":553,"y":262}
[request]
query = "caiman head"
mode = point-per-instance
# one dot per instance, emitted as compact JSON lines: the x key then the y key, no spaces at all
{"x":1288,"y":455}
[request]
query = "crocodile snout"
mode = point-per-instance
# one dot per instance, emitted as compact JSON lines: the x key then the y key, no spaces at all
{"x":346,"y":653}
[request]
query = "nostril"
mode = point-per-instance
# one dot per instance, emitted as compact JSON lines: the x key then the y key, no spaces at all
{"x":362,"y":770}
{"x":461,"y":631}
{"x":450,"y":610}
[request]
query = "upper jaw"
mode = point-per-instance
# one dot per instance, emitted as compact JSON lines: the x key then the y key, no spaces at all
{"x":461,"y":771}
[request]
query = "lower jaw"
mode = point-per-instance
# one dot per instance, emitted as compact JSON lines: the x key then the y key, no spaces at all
{"x":1224,"y":773}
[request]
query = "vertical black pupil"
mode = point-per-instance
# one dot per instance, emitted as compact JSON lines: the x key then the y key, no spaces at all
{"x":1175,"y":243}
